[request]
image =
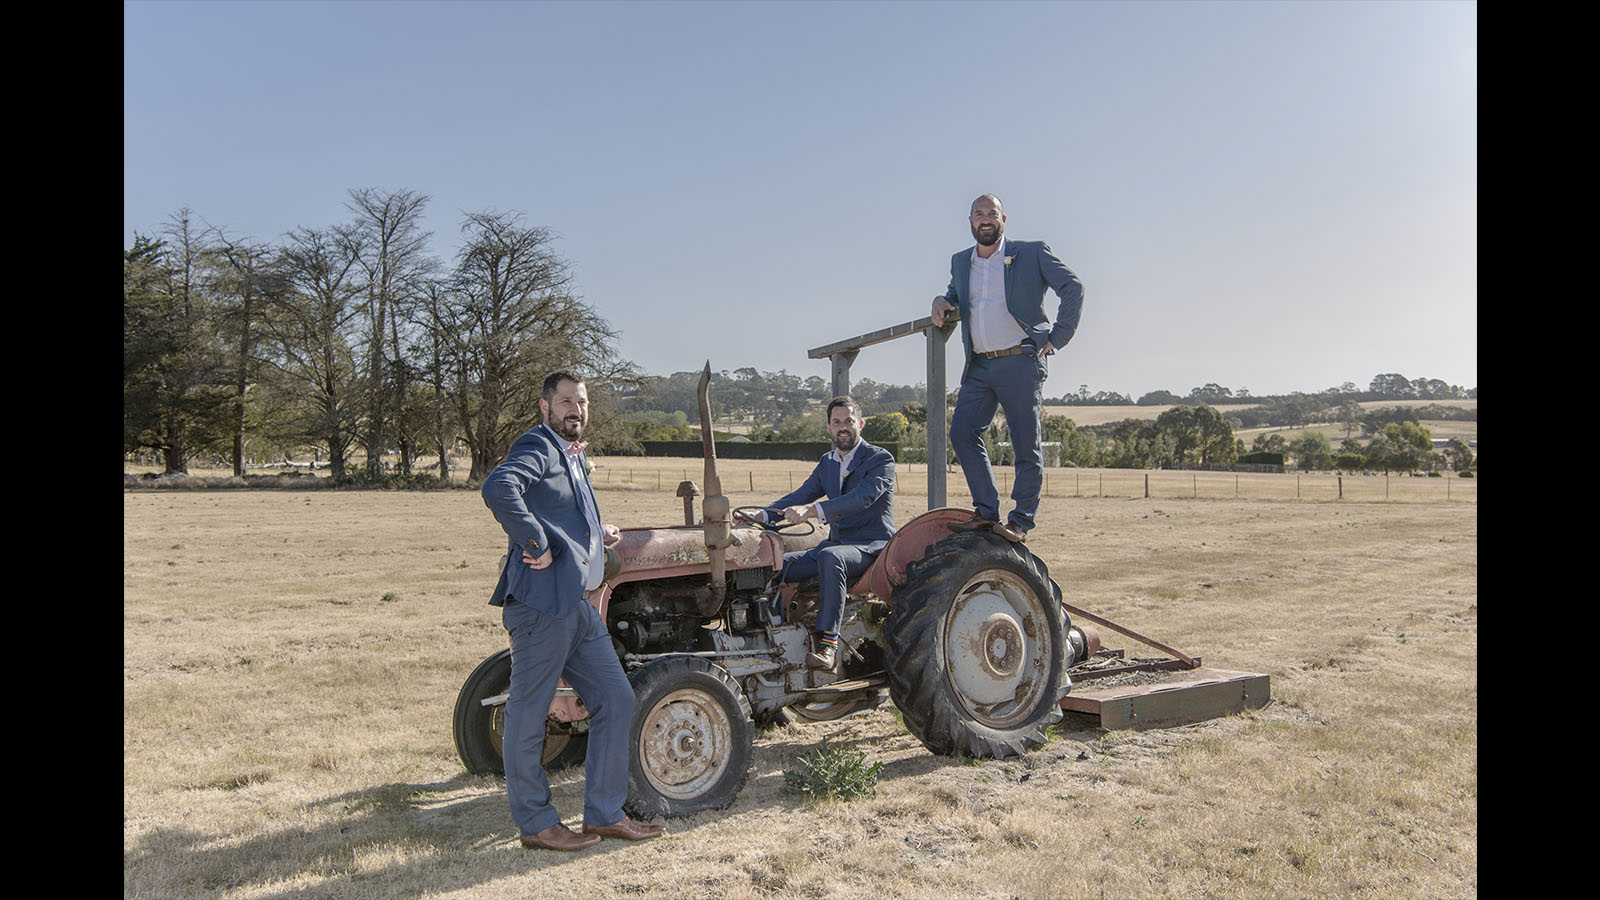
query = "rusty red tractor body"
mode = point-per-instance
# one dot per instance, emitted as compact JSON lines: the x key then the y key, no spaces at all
{"x":966,"y":631}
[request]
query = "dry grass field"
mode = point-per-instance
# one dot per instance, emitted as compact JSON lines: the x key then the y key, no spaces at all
{"x":291,"y":659}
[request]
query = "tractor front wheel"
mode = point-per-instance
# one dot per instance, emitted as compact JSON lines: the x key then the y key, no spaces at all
{"x":692,"y":738}
{"x":976,"y":648}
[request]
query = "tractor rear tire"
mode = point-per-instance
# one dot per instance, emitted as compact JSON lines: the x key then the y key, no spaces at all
{"x":479,"y":729}
{"x":691,"y":742}
{"x":976,"y":648}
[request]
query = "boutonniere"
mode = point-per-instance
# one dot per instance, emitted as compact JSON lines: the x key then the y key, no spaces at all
{"x":588,"y":465}
{"x":1008,"y":261}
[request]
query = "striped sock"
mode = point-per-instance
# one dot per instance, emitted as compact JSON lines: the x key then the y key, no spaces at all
{"x":827,"y":640}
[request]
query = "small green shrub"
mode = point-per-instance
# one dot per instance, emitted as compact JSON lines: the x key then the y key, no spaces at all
{"x":828,"y":771}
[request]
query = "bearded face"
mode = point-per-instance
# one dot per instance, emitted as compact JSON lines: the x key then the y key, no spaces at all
{"x":845,"y":428}
{"x":567,"y":412}
{"x":988,"y":223}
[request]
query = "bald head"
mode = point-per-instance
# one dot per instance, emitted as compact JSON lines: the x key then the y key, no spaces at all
{"x":988,"y":199}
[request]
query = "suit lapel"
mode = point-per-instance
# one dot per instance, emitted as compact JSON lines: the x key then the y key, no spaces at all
{"x":856,"y":461}
{"x":561,"y":460}
{"x":963,"y":280}
{"x":1007,"y":251}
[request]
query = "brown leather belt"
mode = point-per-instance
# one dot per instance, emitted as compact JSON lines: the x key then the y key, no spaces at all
{"x":1018,"y":350}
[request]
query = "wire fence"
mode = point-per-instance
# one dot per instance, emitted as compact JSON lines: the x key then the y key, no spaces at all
{"x":779,"y":477}
{"x":770,"y":479}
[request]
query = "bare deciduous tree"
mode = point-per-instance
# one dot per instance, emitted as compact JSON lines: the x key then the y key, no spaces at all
{"x":394,"y":261}
{"x":510,"y":320}
{"x":311,"y":325}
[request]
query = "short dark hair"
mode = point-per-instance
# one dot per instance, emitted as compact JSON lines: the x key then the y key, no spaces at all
{"x":845,"y":401}
{"x":553,"y":381}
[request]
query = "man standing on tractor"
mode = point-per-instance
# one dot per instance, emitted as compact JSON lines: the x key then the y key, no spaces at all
{"x":997,"y":288}
{"x":857,"y":480}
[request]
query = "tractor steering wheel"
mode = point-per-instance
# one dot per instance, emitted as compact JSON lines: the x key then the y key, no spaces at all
{"x":754,"y":513}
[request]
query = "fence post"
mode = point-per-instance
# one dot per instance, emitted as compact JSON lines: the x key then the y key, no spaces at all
{"x":1147,"y":485}
{"x":1341,"y":487}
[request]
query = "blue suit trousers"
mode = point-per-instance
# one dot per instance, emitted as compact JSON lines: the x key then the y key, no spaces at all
{"x":574,"y":646}
{"x":834,"y":566}
{"x":1016,"y":385}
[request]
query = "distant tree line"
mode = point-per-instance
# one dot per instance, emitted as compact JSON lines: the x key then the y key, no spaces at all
{"x":1193,"y":432}
{"x":1382,"y":387}
{"x":353,"y":337}
{"x":352,"y":340}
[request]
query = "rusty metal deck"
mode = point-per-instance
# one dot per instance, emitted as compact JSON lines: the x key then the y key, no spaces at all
{"x":1180,"y":698}
{"x":1155,"y":693}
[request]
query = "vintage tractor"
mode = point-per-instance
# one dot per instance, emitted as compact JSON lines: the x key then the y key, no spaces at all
{"x":966,"y":630}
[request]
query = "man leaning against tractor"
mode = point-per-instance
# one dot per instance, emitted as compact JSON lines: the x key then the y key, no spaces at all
{"x":542,"y":497}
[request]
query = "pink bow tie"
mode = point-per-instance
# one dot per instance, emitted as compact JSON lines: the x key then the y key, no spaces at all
{"x":576,"y":447}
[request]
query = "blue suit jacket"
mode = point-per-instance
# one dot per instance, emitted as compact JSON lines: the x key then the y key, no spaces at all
{"x":536,"y":500}
{"x":1033,"y":269}
{"x":861,"y":510}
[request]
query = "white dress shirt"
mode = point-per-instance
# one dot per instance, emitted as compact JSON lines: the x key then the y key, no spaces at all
{"x":993,"y":326}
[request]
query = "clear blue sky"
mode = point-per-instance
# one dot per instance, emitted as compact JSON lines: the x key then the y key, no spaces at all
{"x":1279,"y":196}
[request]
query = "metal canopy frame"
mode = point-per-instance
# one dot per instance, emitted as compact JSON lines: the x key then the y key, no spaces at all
{"x":844,"y":352}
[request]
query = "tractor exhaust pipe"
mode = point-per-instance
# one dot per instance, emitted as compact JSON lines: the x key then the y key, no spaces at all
{"x":715,"y":507}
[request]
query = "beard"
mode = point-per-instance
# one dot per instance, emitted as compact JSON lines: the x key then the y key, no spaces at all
{"x":988,"y":235}
{"x":846,"y":442}
{"x":570,"y":428}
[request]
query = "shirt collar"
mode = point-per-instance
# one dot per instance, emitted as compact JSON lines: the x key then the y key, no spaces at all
{"x":561,"y":442}
{"x":999,"y":254}
{"x":844,"y":458}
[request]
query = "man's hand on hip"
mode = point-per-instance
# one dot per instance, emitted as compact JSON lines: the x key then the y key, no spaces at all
{"x":544,"y":559}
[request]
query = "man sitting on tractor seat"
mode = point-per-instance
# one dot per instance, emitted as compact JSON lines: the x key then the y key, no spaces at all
{"x":852,"y":492}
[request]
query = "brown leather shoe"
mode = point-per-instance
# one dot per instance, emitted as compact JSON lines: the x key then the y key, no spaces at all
{"x":822,"y":659}
{"x":973,"y":522}
{"x":560,"y":837}
{"x":626,"y":829}
{"x":1011,"y":532}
